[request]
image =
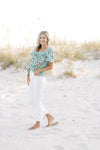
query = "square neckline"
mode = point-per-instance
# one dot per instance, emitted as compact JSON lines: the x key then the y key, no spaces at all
{"x":43,"y":51}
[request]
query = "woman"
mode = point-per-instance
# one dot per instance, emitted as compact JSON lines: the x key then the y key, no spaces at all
{"x":42,"y":60}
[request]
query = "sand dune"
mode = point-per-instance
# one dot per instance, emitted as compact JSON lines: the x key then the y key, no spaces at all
{"x":75,"y":103}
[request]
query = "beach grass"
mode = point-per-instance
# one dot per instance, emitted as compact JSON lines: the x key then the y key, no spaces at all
{"x":63,"y":49}
{"x":7,"y":60}
{"x":17,"y":59}
{"x":73,"y":50}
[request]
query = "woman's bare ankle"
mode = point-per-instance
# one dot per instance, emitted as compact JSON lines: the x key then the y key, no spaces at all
{"x":50,"y":117}
{"x":37,"y":125}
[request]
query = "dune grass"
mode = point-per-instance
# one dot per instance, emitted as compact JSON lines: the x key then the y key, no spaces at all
{"x":63,"y":49}
{"x":21,"y":59}
{"x":7,"y":60}
{"x":72,"y":50}
{"x":69,"y":70}
{"x":69,"y":74}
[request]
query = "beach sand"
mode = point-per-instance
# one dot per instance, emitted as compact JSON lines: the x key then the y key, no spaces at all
{"x":74,"y":102}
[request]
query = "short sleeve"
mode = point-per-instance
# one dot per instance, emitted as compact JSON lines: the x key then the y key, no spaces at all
{"x":50,"y":55}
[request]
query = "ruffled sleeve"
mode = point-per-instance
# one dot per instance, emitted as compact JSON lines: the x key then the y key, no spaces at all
{"x":50,"y":55}
{"x":28,"y":67}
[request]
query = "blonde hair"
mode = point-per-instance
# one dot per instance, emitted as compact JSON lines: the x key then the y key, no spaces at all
{"x":38,"y":47}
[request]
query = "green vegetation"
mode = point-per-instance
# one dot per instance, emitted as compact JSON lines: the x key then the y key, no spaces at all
{"x":72,"y":50}
{"x":21,"y":59}
{"x":63,"y":49}
{"x":69,"y":74}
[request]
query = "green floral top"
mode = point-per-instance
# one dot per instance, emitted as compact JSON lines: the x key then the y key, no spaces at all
{"x":40,"y":60}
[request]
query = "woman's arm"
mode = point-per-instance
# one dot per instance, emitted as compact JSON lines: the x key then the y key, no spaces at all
{"x":28,"y":79}
{"x":49,"y":67}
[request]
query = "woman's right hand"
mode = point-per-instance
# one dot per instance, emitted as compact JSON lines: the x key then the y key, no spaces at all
{"x":28,"y":79}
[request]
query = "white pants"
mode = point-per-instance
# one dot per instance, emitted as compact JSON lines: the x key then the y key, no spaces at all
{"x":36,"y":86}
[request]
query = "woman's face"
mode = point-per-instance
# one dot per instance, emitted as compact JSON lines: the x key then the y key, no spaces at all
{"x":43,"y":39}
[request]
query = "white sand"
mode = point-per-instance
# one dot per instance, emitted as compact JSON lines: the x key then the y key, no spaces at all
{"x":74,"y":102}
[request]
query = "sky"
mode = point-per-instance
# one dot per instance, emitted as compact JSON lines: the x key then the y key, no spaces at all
{"x":22,"y":20}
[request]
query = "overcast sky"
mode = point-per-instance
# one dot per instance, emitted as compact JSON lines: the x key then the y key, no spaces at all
{"x":22,"y":20}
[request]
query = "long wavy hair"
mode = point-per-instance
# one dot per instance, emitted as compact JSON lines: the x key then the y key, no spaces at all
{"x":38,"y":46}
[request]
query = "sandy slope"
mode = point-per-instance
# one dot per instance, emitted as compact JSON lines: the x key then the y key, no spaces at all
{"x":74,"y":102}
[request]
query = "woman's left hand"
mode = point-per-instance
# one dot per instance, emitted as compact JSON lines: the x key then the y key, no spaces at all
{"x":36,"y":72}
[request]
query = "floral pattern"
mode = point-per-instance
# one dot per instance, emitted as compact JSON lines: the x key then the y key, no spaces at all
{"x":40,"y":60}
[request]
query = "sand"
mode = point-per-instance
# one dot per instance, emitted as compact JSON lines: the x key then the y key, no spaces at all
{"x":74,"y":102}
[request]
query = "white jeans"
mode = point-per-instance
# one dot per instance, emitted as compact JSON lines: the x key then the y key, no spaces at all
{"x":36,"y":86}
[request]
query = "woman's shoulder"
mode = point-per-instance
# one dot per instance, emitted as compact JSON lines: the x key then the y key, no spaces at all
{"x":50,"y":55}
{"x":50,"y":49}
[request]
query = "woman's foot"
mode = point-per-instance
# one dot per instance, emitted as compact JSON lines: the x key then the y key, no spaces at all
{"x":50,"y":119}
{"x":37,"y":125}
{"x":52,"y":124}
